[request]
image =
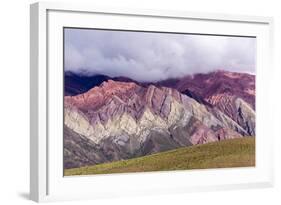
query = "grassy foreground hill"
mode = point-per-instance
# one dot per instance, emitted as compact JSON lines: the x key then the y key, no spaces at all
{"x":227,"y":153}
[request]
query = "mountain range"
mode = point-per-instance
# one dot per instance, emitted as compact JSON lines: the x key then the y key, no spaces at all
{"x":109,"y":119}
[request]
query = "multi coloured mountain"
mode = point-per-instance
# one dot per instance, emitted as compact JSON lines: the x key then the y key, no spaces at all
{"x":110,"y":119}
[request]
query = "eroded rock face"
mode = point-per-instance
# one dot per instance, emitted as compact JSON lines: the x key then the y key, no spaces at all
{"x":237,"y":110}
{"x":214,"y":86}
{"x":121,"y":120}
{"x":80,"y":151}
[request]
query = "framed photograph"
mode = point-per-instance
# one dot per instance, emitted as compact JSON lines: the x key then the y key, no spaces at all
{"x":131,"y":102}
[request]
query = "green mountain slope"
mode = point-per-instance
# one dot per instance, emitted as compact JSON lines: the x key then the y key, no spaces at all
{"x":227,"y":153}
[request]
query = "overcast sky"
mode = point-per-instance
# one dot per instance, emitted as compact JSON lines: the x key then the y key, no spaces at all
{"x":145,"y":56}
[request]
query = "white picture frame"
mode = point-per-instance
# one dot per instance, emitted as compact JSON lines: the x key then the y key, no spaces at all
{"x":46,"y":177}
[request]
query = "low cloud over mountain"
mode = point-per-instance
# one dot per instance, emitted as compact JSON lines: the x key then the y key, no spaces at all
{"x":145,"y":56}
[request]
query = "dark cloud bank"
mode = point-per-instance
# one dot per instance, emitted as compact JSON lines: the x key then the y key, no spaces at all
{"x":147,"y":56}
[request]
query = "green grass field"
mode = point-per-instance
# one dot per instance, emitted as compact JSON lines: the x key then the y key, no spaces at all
{"x":227,"y":153}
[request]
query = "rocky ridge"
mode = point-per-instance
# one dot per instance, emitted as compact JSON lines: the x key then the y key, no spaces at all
{"x":121,"y":120}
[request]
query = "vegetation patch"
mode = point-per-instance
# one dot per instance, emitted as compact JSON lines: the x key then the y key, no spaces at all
{"x":223,"y":154}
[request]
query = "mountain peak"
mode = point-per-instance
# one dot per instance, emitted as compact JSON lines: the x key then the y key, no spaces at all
{"x":112,"y":86}
{"x":122,"y":120}
{"x":230,"y":74}
{"x":114,"y":83}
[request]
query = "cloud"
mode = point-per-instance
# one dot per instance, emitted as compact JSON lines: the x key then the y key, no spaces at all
{"x":145,"y":56}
